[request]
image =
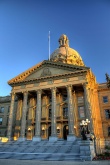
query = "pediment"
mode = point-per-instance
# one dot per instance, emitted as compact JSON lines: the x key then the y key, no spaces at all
{"x":46,"y":69}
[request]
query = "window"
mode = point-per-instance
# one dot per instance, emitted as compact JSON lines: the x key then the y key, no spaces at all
{"x":65,"y":112}
{"x":105,"y":99}
{"x":107,"y":113}
{"x":64,"y":97}
{"x":8,"y":109}
{"x":1,"y":120}
{"x":81,"y":112}
{"x":7,"y":121}
{"x":80,"y":99}
{"x":1,"y":109}
{"x":50,"y":113}
{"x":108,"y":131}
{"x":50,"y":99}
{"x":5,"y":133}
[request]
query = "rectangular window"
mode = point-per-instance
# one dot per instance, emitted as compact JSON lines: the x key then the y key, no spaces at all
{"x":50,"y":112}
{"x":108,"y":131}
{"x":8,"y":109}
{"x":64,"y":97}
{"x":80,"y":99}
{"x":1,"y":120}
{"x":107,"y":113}
{"x":105,"y":99}
{"x":50,"y":99}
{"x":1,"y":109}
{"x":7,"y":121}
{"x":81,"y":112}
{"x":65,"y":112}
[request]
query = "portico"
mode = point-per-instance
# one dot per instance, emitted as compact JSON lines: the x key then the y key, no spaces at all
{"x":44,"y":113}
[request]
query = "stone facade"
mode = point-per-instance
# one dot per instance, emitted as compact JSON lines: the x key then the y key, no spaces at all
{"x":49,"y":101}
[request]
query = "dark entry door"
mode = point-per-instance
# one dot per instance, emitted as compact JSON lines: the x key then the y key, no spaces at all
{"x":65,"y":132}
{"x":49,"y":132}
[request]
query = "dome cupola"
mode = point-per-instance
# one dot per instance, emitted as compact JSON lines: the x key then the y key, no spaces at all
{"x":66,"y":54}
{"x":63,"y":41}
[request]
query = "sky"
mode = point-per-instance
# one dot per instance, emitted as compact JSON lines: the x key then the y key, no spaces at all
{"x":24,"y":28}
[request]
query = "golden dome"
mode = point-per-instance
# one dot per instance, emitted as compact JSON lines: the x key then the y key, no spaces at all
{"x":66,"y":54}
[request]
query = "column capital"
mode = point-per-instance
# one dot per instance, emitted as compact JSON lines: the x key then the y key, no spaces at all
{"x":53,"y":89}
{"x":69,"y":87}
{"x":39,"y":91}
{"x":12,"y":95}
{"x":25,"y":92}
{"x":74,"y":93}
{"x":85,"y":85}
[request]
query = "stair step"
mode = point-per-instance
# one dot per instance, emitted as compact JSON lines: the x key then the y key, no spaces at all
{"x":43,"y":150}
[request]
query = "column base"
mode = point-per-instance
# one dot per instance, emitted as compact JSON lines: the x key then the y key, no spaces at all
{"x":71,"y":138}
{"x":10,"y":139}
{"x":53,"y":139}
{"x":21,"y":139}
{"x":36,"y":139}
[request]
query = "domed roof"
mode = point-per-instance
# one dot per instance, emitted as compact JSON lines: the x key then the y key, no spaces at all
{"x":66,"y":54}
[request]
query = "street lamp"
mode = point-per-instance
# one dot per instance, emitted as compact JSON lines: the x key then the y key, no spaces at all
{"x":84,"y":128}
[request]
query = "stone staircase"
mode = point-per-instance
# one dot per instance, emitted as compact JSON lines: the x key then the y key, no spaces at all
{"x":45,"y":150}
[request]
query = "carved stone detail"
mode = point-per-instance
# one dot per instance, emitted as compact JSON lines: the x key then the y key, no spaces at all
{"x":46,"y":72}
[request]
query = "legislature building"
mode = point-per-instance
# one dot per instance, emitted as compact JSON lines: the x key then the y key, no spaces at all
{"x":50,"y":100}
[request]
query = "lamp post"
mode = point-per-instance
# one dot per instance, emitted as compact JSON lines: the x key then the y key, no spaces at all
{"x":84,"y":128}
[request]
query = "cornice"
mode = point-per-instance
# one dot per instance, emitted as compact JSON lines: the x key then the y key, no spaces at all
{"x":65,"y":65}
{"x":102,"y":87}
{"x":5,"y":99}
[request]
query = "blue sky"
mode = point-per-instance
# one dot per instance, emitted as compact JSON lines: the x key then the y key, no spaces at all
{"x":24,"y":27}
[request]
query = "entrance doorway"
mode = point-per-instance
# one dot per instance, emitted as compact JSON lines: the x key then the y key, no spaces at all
{"x":49,"y":132}
{"x":65,"y":132}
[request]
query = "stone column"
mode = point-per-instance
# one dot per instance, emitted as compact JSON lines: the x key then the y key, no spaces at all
{"x":10,"y":119}
{"x":23,"y":120}
{"x":37,"y":136}
{"x":75,"y":115}
{"x":88,"y":106}
{"x":71,"y":136}
{"x":53,"y":136}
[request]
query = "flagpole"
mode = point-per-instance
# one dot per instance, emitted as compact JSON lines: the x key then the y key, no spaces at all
{"x":49,"y":45}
